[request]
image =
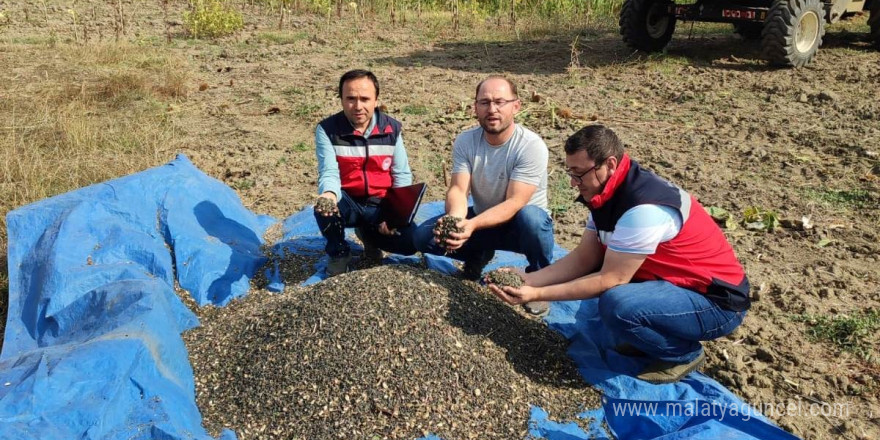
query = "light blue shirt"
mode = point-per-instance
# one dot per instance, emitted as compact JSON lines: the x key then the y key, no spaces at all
{"x":328,"y":168}
{"x":641,"y":229}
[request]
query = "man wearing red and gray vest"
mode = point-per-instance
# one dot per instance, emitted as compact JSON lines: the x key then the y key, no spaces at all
{"x":664,"y":273}
{"x":360,"y":156}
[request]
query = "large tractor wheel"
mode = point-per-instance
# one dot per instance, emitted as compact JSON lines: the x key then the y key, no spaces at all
{"x":793,"y":32}
{"x":874,"y":22}
{"x":647,"y":24}
{"x":749,"y":30}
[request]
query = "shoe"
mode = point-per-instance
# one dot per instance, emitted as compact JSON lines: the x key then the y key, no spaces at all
{"x":338,"y":265}
{"x":537,"y":308}
{"x":661,"y":372}
{"x":371,"y":252}
{"x":473,"y":269}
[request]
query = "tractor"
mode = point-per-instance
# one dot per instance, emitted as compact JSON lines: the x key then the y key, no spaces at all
{"x":790,"y":31}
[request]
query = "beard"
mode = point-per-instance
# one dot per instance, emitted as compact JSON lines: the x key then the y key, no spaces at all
{"x":494,"y":130}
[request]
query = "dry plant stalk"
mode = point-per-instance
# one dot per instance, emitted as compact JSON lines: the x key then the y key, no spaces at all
{"x":165,"y":19}
{"x":119,"y":20}
{"x":393,"y":14}
{"x":575,"y":62}
{"x":281,"y":10}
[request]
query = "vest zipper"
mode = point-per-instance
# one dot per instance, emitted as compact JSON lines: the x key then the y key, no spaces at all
{"x":366,"y":161}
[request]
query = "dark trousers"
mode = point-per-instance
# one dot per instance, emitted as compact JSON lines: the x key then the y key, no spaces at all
{"x":366,"y":216}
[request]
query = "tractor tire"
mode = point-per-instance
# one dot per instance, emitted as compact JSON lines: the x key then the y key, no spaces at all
{"x":749,"y":30}
{"x":874,"y":22}
{"x":647,"y":25}
{"x":793,"y":32}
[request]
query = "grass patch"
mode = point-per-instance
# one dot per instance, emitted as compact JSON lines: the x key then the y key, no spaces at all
{"x":306,"y":110}
{"x":36,"y":40}
{"x":418,"y":110}
{"x":853,"y":198}
{"x":561,"y":195}
{"x":281,"y":37}
{"x":667,"y":64}
{"x":244,"y":184}
{"x":293,"y":91}
{"x":97,"y":112}
{"x":855,"y":333}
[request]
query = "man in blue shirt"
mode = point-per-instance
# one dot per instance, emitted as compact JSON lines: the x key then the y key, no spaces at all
{"x":360,"y":156}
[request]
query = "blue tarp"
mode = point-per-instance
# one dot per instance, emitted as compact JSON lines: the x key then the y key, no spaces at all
{"x":92,"y":348}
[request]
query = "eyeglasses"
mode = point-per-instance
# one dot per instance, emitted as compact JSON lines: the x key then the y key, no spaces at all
{"x":499,"y":103}
{"x":579,"y":178}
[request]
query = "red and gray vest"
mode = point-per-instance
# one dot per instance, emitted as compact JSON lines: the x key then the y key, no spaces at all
{"x":364,"y":162}
{"x":699,"y":258}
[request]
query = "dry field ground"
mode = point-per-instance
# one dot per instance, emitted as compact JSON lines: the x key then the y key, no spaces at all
{"x":78,"y":106}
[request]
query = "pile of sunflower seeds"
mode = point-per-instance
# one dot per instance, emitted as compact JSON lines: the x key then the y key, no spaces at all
{"x":390,"y":352}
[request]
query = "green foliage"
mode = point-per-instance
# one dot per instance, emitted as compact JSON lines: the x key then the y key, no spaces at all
{"x":293,"y":91}
{"x":855,"y":198}
{"x":282,"y":38}
{"x":473,"y":10}
{"x":417,"y":109}
{"x":722,"y":217}
{"x":756,"y":217}
{"x":300,"y":147}
{"x":212,"y":18}
{"x":851,"y":333}
{"x":244,"y":184}
{"x":561,"y":194}
{"x":306,"y":110}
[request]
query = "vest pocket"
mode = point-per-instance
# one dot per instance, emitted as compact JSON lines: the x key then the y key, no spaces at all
{"x":728,"y":296}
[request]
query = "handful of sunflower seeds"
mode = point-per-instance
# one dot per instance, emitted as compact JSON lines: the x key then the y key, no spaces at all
{"x":325,"y":206}
{"x":446,"y":225}
{"x":503,"y":278}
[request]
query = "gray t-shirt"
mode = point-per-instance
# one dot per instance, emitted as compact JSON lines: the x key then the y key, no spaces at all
{"x":522,"y":158}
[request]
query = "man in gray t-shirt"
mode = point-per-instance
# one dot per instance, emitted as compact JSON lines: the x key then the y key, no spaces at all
{"x":522,"y":158}
{"x":504,"y":167}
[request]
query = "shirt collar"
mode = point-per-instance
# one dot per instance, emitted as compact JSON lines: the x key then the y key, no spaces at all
{"x":611,"y":185}
{"x":370,"y":128}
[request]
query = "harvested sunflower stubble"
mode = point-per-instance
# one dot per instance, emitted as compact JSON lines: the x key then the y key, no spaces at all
{"x":390,"y":352}
{"x":504,"y":278}
{"x":446,"y":225}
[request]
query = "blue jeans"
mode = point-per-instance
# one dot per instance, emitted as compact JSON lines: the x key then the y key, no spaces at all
{"x":529,"y":232}
{"x":664,"y":321}
{"x":366,"y":216}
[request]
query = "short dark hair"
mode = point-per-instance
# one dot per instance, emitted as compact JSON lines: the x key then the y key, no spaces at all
{"x":597,"y":140}
{"x":509,"y":82}
{"x":358,"y":74}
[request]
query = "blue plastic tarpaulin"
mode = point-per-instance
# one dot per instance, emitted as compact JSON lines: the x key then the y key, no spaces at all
{"x":92,"y":348}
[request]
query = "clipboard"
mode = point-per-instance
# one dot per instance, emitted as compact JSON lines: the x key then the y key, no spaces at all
{"x":399,"y":206}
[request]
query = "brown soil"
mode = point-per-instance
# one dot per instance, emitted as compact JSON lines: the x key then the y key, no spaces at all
{"x":709,"y":115}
